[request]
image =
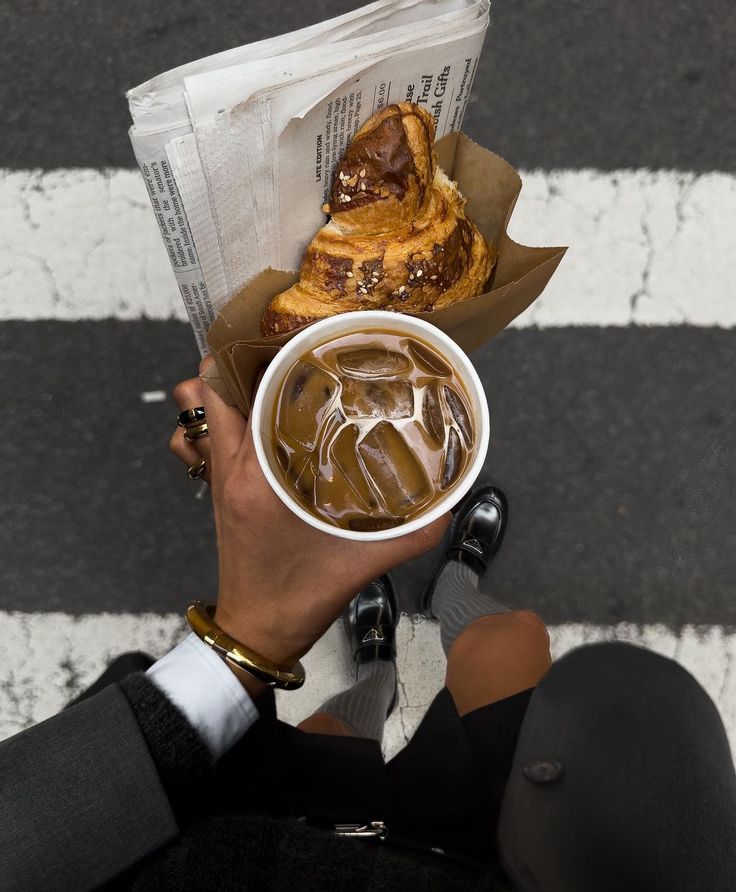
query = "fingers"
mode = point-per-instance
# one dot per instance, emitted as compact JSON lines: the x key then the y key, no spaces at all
{"x":227,"y":425}
{"x":188,"y":395}
{"x":190,"y":453}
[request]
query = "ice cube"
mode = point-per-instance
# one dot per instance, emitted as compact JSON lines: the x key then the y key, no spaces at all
{"x":333,"y":498}
{"x":282,"y":457}
{"x":394,"y":469}
{"x":344,"y":456}
{"x":303,"y":480}
{"x":306,"y":398}
{"x":327,"y":435}
{"x":377,"y":398}
{"x":432,"y":416}
{"x":373,"y":362}
{"x":460,"y":414}
{"x":427,"y":360}
{"x":453,"y":459}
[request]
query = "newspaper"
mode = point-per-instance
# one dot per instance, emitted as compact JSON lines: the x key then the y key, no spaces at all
{"x":238,"y":150}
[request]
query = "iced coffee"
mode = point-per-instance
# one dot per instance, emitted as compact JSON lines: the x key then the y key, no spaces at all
{"x":371,"y":429}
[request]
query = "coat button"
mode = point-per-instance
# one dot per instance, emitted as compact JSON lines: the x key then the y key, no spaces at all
{"x":542,"y":771}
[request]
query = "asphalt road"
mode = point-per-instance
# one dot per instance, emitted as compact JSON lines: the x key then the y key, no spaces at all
{"x":615,"y":448}
{"x":575,"y":83}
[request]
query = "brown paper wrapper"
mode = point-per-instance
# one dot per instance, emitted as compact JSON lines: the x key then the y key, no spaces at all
{"x":491,"y":187}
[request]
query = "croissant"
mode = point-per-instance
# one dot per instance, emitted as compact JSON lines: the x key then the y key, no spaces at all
{"x":398,"y":238}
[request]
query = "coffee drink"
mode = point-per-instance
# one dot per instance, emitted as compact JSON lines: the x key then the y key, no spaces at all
{"x":371,"y":429}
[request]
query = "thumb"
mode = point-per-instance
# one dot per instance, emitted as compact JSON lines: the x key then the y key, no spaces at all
{"x":226,"y":423}
{"x":429,"y":537}
{"x":406,"y":548}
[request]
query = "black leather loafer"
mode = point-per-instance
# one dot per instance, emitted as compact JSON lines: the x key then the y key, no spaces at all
{"x":370,"y":622}
{"x":476,"y":534}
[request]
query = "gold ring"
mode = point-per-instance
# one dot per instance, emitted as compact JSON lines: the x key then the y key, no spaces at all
{"x":191,"y":416}
{"x":195,"y":471}
{"x":195,"y":431}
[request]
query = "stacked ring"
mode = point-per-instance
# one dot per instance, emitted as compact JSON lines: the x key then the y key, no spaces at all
{"x":195,"y":471}
{"x":194,"y":431}
{"x":191,"y":416}
{"x":194,"y":422}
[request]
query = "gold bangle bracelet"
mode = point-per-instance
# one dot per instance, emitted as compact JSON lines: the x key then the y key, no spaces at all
{"x":200,"y":618}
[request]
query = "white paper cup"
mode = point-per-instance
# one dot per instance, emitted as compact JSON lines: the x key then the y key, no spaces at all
{"x":265,"y":405}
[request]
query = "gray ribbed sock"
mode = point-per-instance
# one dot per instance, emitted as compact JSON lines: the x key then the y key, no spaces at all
{"x":364,"y":706}
{"x":456,"y":601}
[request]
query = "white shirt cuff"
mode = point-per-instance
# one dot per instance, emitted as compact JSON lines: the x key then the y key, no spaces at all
{"x":196,"y":680}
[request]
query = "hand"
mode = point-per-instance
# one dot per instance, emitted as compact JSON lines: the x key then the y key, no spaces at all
{"x":282,"y":583}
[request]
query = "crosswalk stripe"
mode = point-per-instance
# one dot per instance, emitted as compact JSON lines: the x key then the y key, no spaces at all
{"x":647,"y":247}
{"x":48,"y":658}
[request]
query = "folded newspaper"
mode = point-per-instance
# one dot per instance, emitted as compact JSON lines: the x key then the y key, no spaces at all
{"x":238,"y":150}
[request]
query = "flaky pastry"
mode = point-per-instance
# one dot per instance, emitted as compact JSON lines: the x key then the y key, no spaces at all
{"x":398,"y":238}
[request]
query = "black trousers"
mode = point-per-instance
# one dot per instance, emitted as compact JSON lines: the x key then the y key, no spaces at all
{"x":613,"y":775}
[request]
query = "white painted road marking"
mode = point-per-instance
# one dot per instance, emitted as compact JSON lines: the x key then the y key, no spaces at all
{"x":153,"y":396}
{"x":647,"y":247}
{"x":48,"y":658}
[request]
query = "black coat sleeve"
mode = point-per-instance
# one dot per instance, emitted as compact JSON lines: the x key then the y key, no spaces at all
{"x":92,"y":791}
